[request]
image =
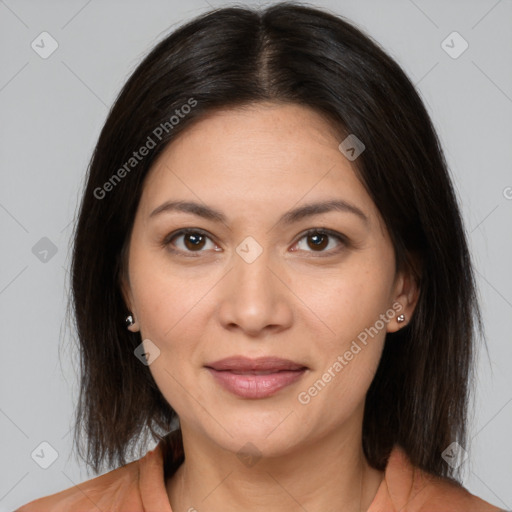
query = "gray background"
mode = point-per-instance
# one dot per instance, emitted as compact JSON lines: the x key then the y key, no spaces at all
{"x":52,"y":111}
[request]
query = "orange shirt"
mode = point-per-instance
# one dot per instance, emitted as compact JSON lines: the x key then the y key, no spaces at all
{"x":140,"y":487}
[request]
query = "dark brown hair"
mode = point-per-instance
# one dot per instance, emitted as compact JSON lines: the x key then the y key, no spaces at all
{"x":287,"y":53}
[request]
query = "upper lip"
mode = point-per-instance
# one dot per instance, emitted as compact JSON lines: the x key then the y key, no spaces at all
{"x":241,"y":363}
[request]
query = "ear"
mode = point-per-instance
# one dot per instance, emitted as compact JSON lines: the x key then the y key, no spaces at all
{"x":406,"y":294}
{"x":126,"y":293}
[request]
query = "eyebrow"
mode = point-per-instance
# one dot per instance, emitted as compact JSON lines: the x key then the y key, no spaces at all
{"x":289,"y":217}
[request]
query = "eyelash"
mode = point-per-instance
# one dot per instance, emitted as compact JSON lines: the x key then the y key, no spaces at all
{"x":314,"y":231}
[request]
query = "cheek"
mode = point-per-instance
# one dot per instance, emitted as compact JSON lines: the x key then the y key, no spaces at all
{"x":168,"y":303}
{"x":166,"y":309}
{"x":350,"y":298}
{"x":164,"y":298}
{"x":354,"y":309}
{"x":338,"y":386}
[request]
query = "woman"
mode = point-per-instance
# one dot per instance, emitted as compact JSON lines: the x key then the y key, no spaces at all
{"x":271,"y":277}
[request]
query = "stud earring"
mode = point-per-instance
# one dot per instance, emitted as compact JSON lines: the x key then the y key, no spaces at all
{"x":129,"y":321}
{"x":400,"y":319}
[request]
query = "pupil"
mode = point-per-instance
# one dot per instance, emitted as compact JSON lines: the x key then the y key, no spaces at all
{"x":195,"y":240}
{"x":320,"y":240}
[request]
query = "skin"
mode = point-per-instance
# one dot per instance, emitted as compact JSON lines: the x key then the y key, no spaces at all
{"x":295,"y":301}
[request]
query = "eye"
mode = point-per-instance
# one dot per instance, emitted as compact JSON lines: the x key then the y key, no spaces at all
{"x":318,"y":240}
{"x":194,"y":240}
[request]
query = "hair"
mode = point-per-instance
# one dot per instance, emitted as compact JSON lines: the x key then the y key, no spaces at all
{"x":288,"y":54}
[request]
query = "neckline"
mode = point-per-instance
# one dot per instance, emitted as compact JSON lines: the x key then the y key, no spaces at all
{"x":161,"y":463}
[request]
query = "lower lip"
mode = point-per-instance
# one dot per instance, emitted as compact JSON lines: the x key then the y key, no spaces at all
{"x":256,"y":386}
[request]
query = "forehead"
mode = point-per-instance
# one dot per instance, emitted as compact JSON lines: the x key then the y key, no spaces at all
{"x":260,"y":156}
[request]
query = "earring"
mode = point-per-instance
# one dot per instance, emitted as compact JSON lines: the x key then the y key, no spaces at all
{"x":129,"y":321}
{"x":400,"y":318}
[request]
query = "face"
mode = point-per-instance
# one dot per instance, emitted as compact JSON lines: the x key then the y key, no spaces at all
{"x":317,"y":289}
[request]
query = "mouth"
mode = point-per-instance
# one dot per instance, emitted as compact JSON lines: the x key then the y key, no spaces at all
{"x":255,"y":378}
{"x":253,"y":372}
{"x":261,"y":364}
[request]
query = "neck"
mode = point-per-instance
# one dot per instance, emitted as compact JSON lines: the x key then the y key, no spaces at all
{"x":329,"y":474}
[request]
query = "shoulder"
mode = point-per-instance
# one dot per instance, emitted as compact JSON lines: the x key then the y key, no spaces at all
{"x":112,"y":491}
{"x":138,"y":485}
{"x":413,"y":490}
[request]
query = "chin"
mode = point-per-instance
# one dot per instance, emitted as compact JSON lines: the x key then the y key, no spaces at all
{"x":259,"y":434}
{"x":254,"y":445}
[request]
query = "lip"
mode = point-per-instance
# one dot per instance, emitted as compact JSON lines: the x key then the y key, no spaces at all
{"x":246,"y":364}
{"x":255,"y":378}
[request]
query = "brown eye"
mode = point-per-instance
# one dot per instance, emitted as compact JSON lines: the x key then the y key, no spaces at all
{"x":317,"y":240}
{"x":194,"y":241}
{"x":188,"y":241}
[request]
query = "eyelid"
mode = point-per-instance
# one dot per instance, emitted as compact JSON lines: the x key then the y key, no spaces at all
{"x":342,"y":239}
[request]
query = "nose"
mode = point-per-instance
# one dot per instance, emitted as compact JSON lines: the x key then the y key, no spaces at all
{"x":255,"y":297}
